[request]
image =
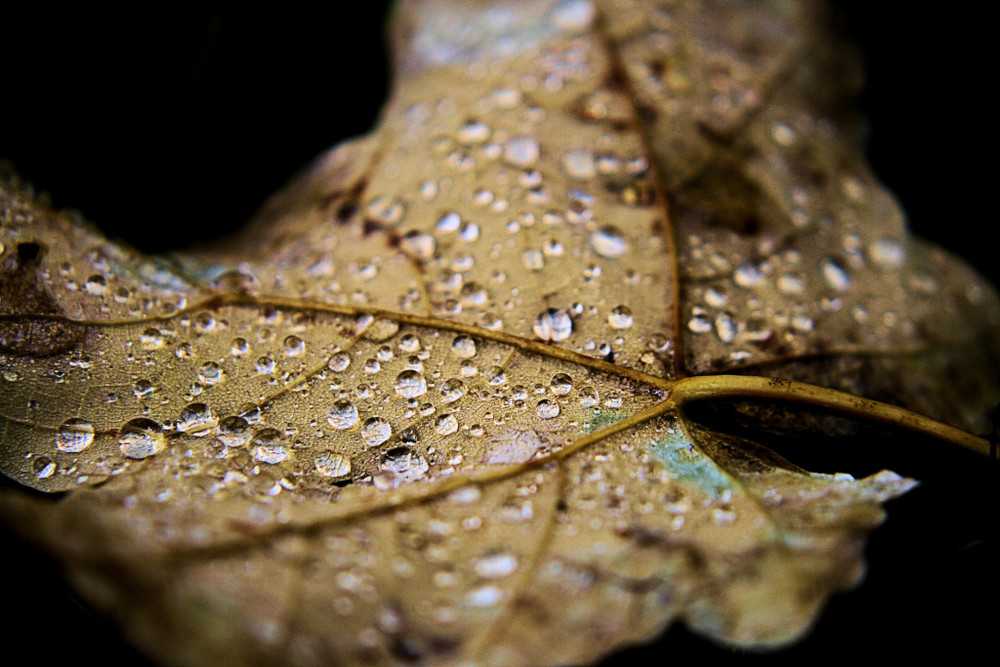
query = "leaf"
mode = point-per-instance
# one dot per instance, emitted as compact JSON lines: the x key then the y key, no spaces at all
{"x":545,"y":468}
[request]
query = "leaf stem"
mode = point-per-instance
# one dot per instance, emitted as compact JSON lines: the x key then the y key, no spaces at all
{"x":708,"y":387}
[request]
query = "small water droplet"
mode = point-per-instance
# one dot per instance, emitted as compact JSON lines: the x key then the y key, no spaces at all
{"x":151,"y":339}
{"x":835,"y":275}
{"x":620,"y":317}
{"x":533,"y":259}
{"x":608,"y":241}
{"x":140,"y":438}
{"x":452,"y":389}
{"x":579,"y":163}
{"x":495,"y":565}
{"x":449,"y":222}
{"x":473,"y":132}
{"x":342,"y":415}
{"x":386,"y":210}
{"x":95,"y":285}
{"x":375,"y":431}
{"x":726,"y":328}
{"x":553,"y":325}
{"x":887,"y":253}
{"x":405,"y":463}
{"x":74,"y":435}
{"x":143,"y":389}
{"x":496,"y":376}
{"x":238,"y":347}
{"x":547,"y":409}
{"x":264,"y":365}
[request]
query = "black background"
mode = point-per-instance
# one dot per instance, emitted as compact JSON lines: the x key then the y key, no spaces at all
{"x":165,"y":127}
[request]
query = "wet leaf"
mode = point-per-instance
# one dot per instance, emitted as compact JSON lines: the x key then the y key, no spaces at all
{"x":446,"y":381}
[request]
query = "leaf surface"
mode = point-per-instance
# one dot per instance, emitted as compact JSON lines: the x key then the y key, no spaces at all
{"x":439,"y":387}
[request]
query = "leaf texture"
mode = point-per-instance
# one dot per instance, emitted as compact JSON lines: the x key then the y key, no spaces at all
{"x":435,"y":390}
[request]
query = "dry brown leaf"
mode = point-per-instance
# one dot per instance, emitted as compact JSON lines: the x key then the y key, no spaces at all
{"x":443,"y":384}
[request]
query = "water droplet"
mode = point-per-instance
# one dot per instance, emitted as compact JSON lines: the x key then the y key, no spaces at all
{"x":560,"y":384}
{"x":264,"y":365}
{"x":151,"y":339}
{"x":574,"y":15}
{"x":608,"y":241}
{"x":234,"y":431}
{"x":410,"y":384}
{"x":473,"y":132}
{"x":196,"y":419}
{"x":140,"y":438}
{"x":547,"y":409}
{"x":409,"y":344}
{"x":522,"y":151}
{"x":484,"y":596}
{"x":620,"y":317}
{"x":553,"y":325}
{"x":589,"y":397}
{"x":95,"y":285}
{"x":143,"y":389}
{"x":449,"y":222}
{"x":75,"y":435}
{"x":375,"y":431}
{"x":238,"y":347}
{"x":342,"y":415}
{"x":533,"y":259}
{"x":294,"y":346}
{"x":835,"y":275}
{"x":463,"y":347}
{"x":386,"y":210}
{"x":496,"y":376}
{"x":446,"y":424}
{"x":418,"y":245}
{"x":211,"y":373}
{"x":452,"y":389}
{"x":887,"y":253}
{"x":269,"y":446}
{"x":747,"y":276}
{"x":790,"y":283}
{"x":495,"y":565}
{"x":44,"y":467}
{"x":579,"y":164}
{"x":339,"y":362}
{"x":726,"y":328}
{"x":700,"y":323}
{"x":406,"y":464}
{"x":332,"y":464}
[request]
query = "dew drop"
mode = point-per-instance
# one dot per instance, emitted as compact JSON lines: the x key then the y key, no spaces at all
{"x":533,"y":259}
{"x":269,"y":446}
{"x":339,"y":362}
{"x":140,"y":438}
{"x":747,"y":276}
{"x":553,"y":325}
{"x":143,"y":389}
{"x":887,"y":253}
{"x":620,"y":317}
{"x":342,"y":415}
{"x":210,"y":373}
{"x":406,"y":464}
{"x":449,"y":222}
{"x":151,"y":339}
{"x":496,"y":376}
{"x":294,"y":346}
{"x":463,"y":347}
{"x":522,"y":151}
{"x":452,"y":389}
{"x":333,"y":464}
{"x":446,"y":424}
{"x":579,"y":164}
{"x":386,"y":210}
{"x":608,"y":241}
{"x":495,"y":565}
{"x":196,"y":419}
{"x":375,"y":431}
{"x":835,"y":275}
{"x":44,"y":467}
{"x":234,"y":431}
{"x":418,"y":245}
{"x":473,"y":133}
{"x":74,"y":435}
{"x":410,"y":384}
{"x":264,"y":365}
{"x":560,"y":384}
{"x":725,"y":327}
{"x":238,"y":347}
{"x":547,"y":409}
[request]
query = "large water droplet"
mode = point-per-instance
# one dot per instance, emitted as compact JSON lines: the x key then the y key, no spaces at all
{"x":234,"y":431}
{"x":333,"y":464}
{"x":608,"y":241}
{"x":375,"y":431}
{"x":521,"y":151}
{"x":446,"y":424}
{"x":342,"y":415}
{"x":75,"y":435}
{"x":553,"y":325}
{"x":561,"y":384}
{"x":463,"y":347}
{"x":410,"y":384}
{"x":196,"y":419}
{"x":269,"y":446}
{"x":452,"y":389}
{"x":547,"y":409}
{"x":339,"y":362}
{"x":140,"y":438}
{"x":418,"y":245}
